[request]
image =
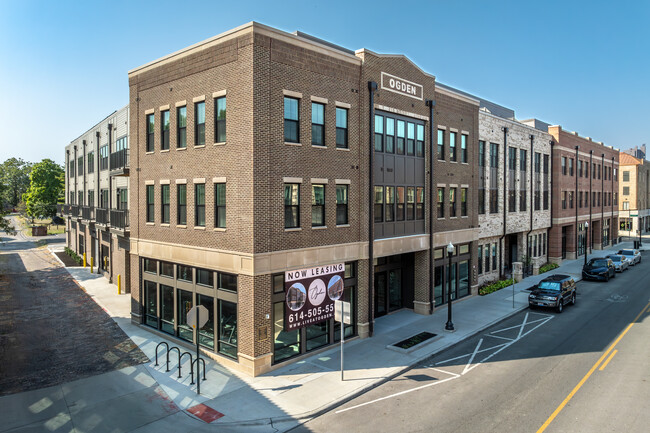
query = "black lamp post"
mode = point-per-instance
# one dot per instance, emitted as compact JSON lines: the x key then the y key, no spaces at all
{"x":449,"y":326}
{"x":586,"y":236}
{"x":639,"y":232}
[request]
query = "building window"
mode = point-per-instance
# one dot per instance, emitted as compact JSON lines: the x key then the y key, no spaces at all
{"x":150,"y":132}
{"x":480,"y":259}
{"x":167,"y":309}
{"x":199,"y":205}
{"x":317,"y":205}
{"x":564,"y":165}
{"x":183,"y":305}
{"x":626,"y":176}
{"x":205,"y":277}
{"x":401,"y":130}
{"x":181,"y":127}
{"x":626,"y":189}
{"x":487,"y":258}
{"x":419,"y":205}
{"x":150,"y":204}
{"x":150,"y":266}
{"x":626,"y":205}
{"x":463,"y":202}
{"x":522,"y":198}
{"x":390,"y":203}
{"x":341,"y":204}
{"x":181,"y":205}
{"x":164,"y":130}
{"x":164,"y":200}
{"x":317,"y":124}
{"x":220,"y":120}
{"x":410,"y":139}
{"x":291,"y":121}
{"x":150,"y":304}
{"x":481,"y":177}
{"x":441,"y":202}
{"x":91,"y":198}
{"x":184,"y":273}
{"x":463,"y":149}
{"x":546,"y":193}
{"x":80,"y":164}
{"x":494,"y":256}
{"x":410,"y":203}
{"x":401,"y":202}
{"x":199,"y":124}
{"x":341,"y":128}
{"x":167,"y":269}
{"x":227,"y":342}
{"x":91,"y":162}
{"x":579,"y":168}
{"x":563,"y":199}
{"x":570,"y":166}
{"x":570,"y":199}
{"x":598,"y":171}
{"x":291,"y":205}
{"x":390,"y":135}
{"x":580,"y":199}
{"x":616,"y":175}
{"x":593,"y":170}
{"x":103,"y":158}
{"x":452,"y":202}
{"x":220,"y":205}
{"x":206,"y":333}
{"x":441,"y":145}
{"x":452,"y":146}
{"x":379,"y":204}
{"x":419,"y":143}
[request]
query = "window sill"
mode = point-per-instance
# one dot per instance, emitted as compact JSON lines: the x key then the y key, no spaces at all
{"x":200,"y":147}
{"x":151,"y":224}
{"x":442,"y":160}
{"x":219,"y":229}
{"x":344,"y":149}
{"x":454,"y":162}
{"x":181,"y":226}
{"x":164,"y":151}
{"x":453,"y":218}
{"x":318,"y":227}
{"x":297,"y":229}
{"x":441,"y":219}
{"x":292,"y":144}
{"x":149,"y":153}
{"x":464,"y":216}
{"x":181,"y":148}
{"x":199,"y":227}
{"x":164,"y":225}
{"x":465,"y":163}
{"x":221,"y":143}
{"x":338,"y":226}
{"x":318,"y":146}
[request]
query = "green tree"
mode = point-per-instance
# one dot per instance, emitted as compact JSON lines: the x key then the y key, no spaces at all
{"x":5,"y":224}
{"x":46,"y":183}
{"x":14,"y":174}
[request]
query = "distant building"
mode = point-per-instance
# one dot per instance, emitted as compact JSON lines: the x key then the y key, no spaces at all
{"x":636,"y":151}
{"x":634,"y":188}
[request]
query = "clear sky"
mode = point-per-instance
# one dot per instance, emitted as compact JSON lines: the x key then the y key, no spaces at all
{"x":581,"y":64}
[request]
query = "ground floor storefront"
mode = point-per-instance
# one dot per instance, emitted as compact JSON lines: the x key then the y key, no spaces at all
{"x":571,"y":240}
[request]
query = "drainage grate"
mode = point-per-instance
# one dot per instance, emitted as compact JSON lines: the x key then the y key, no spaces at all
{"x":414,"y":340}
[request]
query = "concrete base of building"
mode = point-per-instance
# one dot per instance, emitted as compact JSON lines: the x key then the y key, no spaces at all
{"x":253,"y":366}
{"x":571,"y":255}
{"x":363,"y":329}
{"x":597,"y":247}
{"x":423,"y":308}
{"x":556,"y":260}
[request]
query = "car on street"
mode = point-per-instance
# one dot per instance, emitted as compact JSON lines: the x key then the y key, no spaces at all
{"x":621,"y":263}
{"x":599,"y":268}
{"x":634,"y":255}
{"x":555,"y":291}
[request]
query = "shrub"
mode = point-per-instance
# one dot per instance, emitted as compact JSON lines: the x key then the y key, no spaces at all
{"x":74,"y":256}
{"x":547,"y":267}
{"x":490,"y":288}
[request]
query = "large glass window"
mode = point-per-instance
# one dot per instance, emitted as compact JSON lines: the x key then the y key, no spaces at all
{"x":317,"y":335}
{"x":463,"y":278}
{"x":390,"y":203}
{"x":286,"y":344}
{"x":341,"y":128}
{"x":164,"y":130}
{"x":184,"y":273}
{"x":227,"y":282}
{"x":167,"y":309}
{"x":150,"y":204}
{"x":341,"y":204}
{"x":150,"y":132}
{"x":164,"y":200}
{"x":199,"y":124}
{"x":419,"y":143}
{"x":317,"y":205}
{"x":185,"y":304}
{"x":220,"y":120}
{"x":181,"y":204}
{"x":379,"y":204}
{"x":410,"y":139}
{"x":379,"y":133}
{"x":401,"y":203}
{"x":181,"y":127}
{"x":401,"y":131}
{"x":291,"y":121}
{"x":205,"y":277}
{"x":390,"y":135}
{"x":150,"y":304}
{"x":291,"y":205}
{"x":199,"y":205}
{"x":206,"y":333}
{"x":419,"y":205}
{"x":220,"y":205}
{"x":150,"y":266}
{"x":480,"y":259}
{"x":317,"y":124}
{"x":166,"y":269}
{"x":410,"y":203}
{"x":227,"y":344}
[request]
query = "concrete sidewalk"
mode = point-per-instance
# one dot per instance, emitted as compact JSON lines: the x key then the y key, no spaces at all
{"x":148,"y":398}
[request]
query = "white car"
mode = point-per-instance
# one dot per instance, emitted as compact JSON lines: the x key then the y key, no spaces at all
{"x":621,"y":263}
{"x":633,"y":255}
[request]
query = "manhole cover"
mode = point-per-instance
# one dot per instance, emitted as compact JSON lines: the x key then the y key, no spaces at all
{"x":414,"y":340}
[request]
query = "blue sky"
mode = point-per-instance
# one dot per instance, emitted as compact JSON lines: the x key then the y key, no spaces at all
{"x":581,"y":64}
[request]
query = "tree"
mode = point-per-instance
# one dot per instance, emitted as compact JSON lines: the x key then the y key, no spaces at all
{"x":5,"y":225}
{"x":46,"y":182}
{"x":14,"y":174}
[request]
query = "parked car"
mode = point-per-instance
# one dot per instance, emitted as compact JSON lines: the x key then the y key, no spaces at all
{"x":621,"y":263}
{"x":600,"y":268}
{"x":634,"y":255}
{"x":555,"y":291}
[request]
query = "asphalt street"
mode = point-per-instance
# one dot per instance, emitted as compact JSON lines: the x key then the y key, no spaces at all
{"x":585,"y":370}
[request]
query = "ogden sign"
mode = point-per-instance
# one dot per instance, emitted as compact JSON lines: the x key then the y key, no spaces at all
{"x":311,"y":294}
{"x":399,"y":85}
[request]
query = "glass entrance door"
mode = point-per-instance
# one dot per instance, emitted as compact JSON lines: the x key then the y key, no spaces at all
{"x":388,"y":292}
{"x":380,"y":294}
{"x":394,"y":290}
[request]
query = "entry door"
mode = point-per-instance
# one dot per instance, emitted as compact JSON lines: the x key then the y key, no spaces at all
{"x":564,"y":242}
{"x":394,"y":289}
{"x":380,"y":294}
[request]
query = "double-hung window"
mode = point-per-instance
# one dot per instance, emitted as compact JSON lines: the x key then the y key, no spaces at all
{"x":199,"y":205}
{"x":463,"y":202}
{"x":401,"y":202}
{"x":291,"y":205}
{"x":164,"y":200}
{"x":401,"y":125}
{"x":181,"y":127}
{"x":341,"y":128}
{"x":410,"y":139}
{"x":419,"y":204}
{"x":379,"y":204}
{"x":452,"y":202}
{"x":341,"y":204}
{"x":181,"y":204}
{"x":463,"y":149}
{"x":564,"y":165}
{"x":150,"y":204}
{"x":410,"y":203}
{"x":150,"y":132}
{"x":390,"y":135}
{"x":452,"y":146}
{"x":441,"y":202}
{"x":91,"y":162}
{"x":441,"y":145}
{"x":220,"y":120}
{"x":379,"y":133}
{"x":164,"y":130}
{"x":291,"y":120}
{"x":317,"y":205}
{"x":199,"y":124}
{"x":419,"y":143}
{"x":317,"y":124}
{"x":220,"y":205}
{"x":390,"y":203}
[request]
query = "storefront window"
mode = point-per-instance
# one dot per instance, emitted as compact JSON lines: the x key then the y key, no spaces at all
{"x":286,"y":344}
{"x":150,"y":266}
{"x":463,"y":278}
{"x":204,"y":277}
{"x":166,"y":269}
{"x":184,"y":305}
{"x":228,"y":282}
{"x":228,"y":329}
{"x":278,"y":283}
{"x":317,"y":335}
{"x":184,"y":273}
{"x":206,"y":334}
{"x":150,"y":305}
{"x":167,"y":309}
{"x":348,"y":296}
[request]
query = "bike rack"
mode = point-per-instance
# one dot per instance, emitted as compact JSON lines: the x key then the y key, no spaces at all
{"x":198,"y":376}
{"x":199,"y":361}
{"x":191,"y":366}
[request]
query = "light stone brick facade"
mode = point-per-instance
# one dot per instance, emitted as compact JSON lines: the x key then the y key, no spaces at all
{"x":634,"y":209}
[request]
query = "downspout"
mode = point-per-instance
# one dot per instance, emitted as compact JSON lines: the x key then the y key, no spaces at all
{"x":431,"y":104}
{"x":602,"y":201}
{"x":532,"y":187}
{"x":110,"y":202}
{"x":84,"y":168}
{"x":76,"y":169}
{"x":550,"y":193}
{"x":611,"y":222}
{"x":576,"y":204}
{"x":67,"y":177}
{"x":97,"y":170}
{"x":591,"y":198}
{"x":505,"y":198}
{"x":372,"y":87}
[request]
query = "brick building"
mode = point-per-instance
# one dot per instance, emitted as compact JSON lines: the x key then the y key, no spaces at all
{"x":634,"y":190}
{"x":584,"y":195}
{"x":97,"y":197}
{"x":260,"y":152}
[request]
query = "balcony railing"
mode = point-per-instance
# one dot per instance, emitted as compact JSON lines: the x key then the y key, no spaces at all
{"x":101,"y":216}
{"x":119,"y":218}
{"x":120,"y":161}
{"x":87,"y":212}
{"x":74,"y":210}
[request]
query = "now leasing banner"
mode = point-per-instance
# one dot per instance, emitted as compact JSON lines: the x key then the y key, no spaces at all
{"x":310,"y":295}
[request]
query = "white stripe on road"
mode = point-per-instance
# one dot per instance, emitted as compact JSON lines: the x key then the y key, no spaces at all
{"x":467,"y":367}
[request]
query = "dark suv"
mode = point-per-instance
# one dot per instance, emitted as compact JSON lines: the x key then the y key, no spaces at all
{"x":555,"y":291}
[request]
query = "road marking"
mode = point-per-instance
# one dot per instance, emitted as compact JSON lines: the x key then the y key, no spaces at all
{"x":522,"y":327}
{"x":467,"y":367}
{"x":454,"y":376}
{"x":498,"y":336}
{"x":589,"y":373}
{"x":602,"y":367}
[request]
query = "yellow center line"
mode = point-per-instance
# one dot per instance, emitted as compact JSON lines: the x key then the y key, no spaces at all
{"x":589,"y":373}
{"x":602,"y":367}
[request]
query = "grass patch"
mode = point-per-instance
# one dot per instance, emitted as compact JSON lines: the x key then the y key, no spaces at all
{"x":548,"y":267}
{"x":493,"y":287}
{"x":52,"y":229}
{"x":74,"y":256}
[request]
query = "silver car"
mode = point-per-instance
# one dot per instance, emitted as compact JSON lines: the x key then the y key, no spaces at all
{"x":633,"y":255}
{"x":621,"y":263}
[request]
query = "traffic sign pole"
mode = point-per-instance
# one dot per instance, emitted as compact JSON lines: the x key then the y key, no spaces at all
{"x":198,"y":370}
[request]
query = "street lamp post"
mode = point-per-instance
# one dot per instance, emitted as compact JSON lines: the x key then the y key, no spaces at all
{"x":449,"y":326}
{"x":586,"y":239}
